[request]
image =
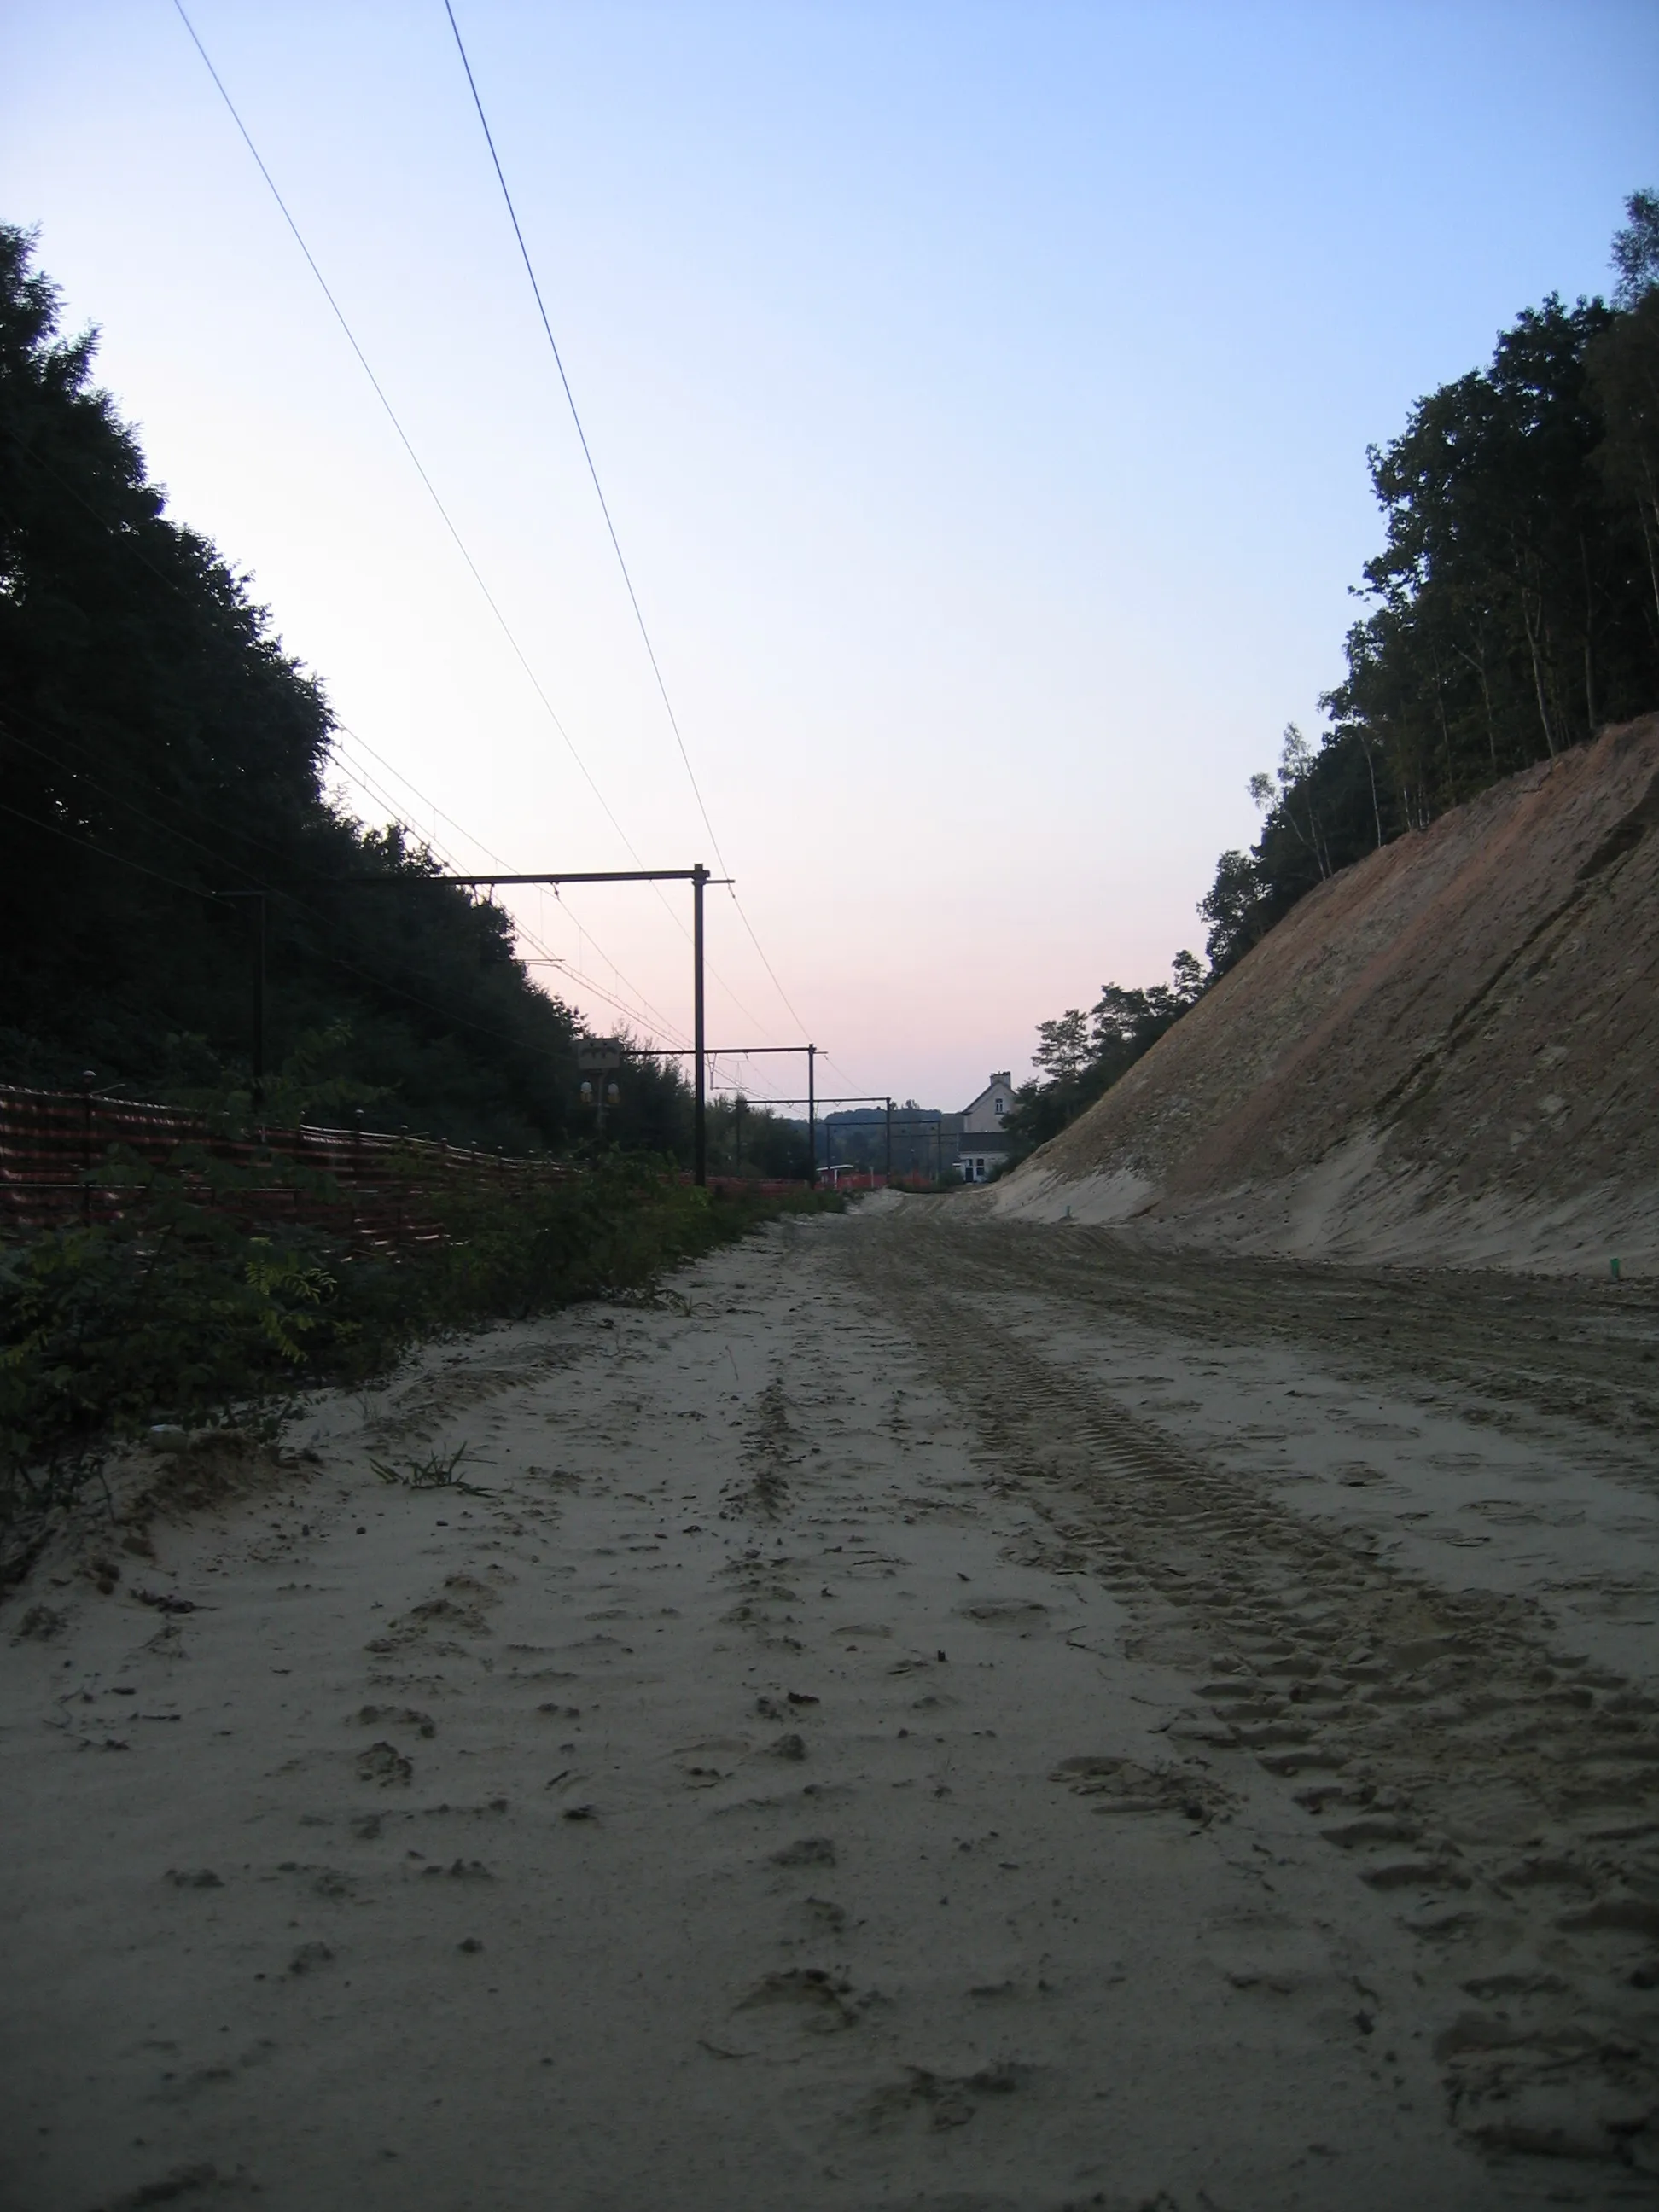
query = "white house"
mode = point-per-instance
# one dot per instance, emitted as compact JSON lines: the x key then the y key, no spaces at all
{"x":983,"y":1146}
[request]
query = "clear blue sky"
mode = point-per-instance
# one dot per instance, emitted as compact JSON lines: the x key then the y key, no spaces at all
{"x":981,"y":394}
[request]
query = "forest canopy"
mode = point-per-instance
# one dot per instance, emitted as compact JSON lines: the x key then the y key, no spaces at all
{"x":164,"y":757}
{"x":1512,"y":612}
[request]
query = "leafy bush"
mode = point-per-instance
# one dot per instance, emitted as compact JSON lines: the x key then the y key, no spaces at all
{"x":181,"y":1313}
{"x":169,"y":1314}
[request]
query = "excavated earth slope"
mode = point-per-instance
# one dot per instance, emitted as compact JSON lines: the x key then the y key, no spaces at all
{"x":1448,"y":1052}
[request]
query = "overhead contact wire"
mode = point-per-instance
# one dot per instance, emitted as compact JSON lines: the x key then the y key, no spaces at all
{"x":402,"y":435}
{"x":575,"y":416}
{"x":652,"y":1014}
{"x":604,"y":509}
{"x":449,"y":524}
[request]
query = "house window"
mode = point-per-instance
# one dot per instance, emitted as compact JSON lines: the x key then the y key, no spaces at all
{"x":1001,"y":1104}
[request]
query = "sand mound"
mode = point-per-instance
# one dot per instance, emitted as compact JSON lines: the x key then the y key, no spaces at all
{"x":1449,"y":1052}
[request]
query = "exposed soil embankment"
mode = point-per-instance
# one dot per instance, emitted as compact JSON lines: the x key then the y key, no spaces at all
{"x":1450,"y":1051}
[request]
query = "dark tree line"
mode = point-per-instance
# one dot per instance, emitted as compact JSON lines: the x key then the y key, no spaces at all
{"x":1081,"y":1055}
{"x":1514,"y":609}
{"x":1512,"y":613}
{"x":747,"y":1140}
{"x":160,"y":747}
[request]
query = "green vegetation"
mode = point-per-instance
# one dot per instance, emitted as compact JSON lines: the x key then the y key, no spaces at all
{"x":1514,"y":611}
{"x":747,"y":1140}
{"x":161,"y":751}
{"x":180,"y":1314}
{"x":1514,"y":605}
{"x":160,"y":747}
{"x":1081,"y":1055}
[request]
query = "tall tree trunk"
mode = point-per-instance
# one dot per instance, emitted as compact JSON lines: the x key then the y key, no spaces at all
{"x":1445,"y":731}
{"x":1377,"y":810}
{"x":1589,"y":638}
{"x":1650,"y":536}
{"x":1533,"y":629}
{"x":1479,"y":668}
{"x":1486,"y":695}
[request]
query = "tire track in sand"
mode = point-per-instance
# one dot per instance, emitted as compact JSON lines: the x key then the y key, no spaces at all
{"x":1507,"y":1794}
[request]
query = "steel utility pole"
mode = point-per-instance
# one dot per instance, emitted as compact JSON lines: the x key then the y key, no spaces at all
{"x":258,"y":993}
{"x":887,"y":1170}
{"x":698,"y":878}
{"x":746,"y":1052}
{"x":700,"y":1108}
{"x":812,"y":1117}
{"x":812,"y":1101}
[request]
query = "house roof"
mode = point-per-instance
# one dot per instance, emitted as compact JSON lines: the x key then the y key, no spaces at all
{"x":1002,"y":1081}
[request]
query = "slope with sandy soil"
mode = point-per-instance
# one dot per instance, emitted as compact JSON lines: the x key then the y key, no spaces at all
{"x":1449,"y":1051}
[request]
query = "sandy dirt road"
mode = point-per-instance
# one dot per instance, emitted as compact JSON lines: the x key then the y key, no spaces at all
{"x":959,"y":1717}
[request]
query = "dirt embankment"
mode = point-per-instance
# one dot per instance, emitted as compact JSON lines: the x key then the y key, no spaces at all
{"x":1450,"y":1051}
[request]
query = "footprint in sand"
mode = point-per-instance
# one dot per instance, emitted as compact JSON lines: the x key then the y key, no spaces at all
{"x":41,"y":1623}
{"x":383,"y":1763}
{"x":806,"y":1851}
{"x":395,"y":1717}
{"x":1022,"y":1616}
{"x":1121,"y":1786}
{"x":460,"y":1607}
{"x":940,"y":2100}
{"x":697,"y":1761}
{"x":812,"y":1999}
{"x":820,"y":1914}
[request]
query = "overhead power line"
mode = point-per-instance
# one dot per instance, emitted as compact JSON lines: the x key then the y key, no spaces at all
{"x":403,"y":439}
{"x":386,"y":798}
{"x":604,"y":509}
{"x":643,"y":1011}
{"x":402,"y":435}
{"x":332,"y":959}
{"x":650,"y":1014}
{"x":116,"y":860}
{"x":587,"y":455}
{"x":583,"y":984}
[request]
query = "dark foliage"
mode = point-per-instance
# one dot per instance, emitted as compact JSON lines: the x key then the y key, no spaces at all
{"x":1514,"y":612}
{"x":1081,"y":1055}
{"x":1514,"y":605}
{"x":179,"y":1312}
{"x":160,"y":747}
{"x":744,"y":1139}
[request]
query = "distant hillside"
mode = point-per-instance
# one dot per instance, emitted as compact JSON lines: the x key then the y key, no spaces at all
{"x":1448,"y":1051}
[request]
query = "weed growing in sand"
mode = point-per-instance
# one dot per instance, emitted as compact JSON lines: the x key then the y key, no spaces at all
{"x":437,"y":1471}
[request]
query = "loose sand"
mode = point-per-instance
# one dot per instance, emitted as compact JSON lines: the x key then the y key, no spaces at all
{"x":925,"y":1716}
{"x":1445,"y":1054}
